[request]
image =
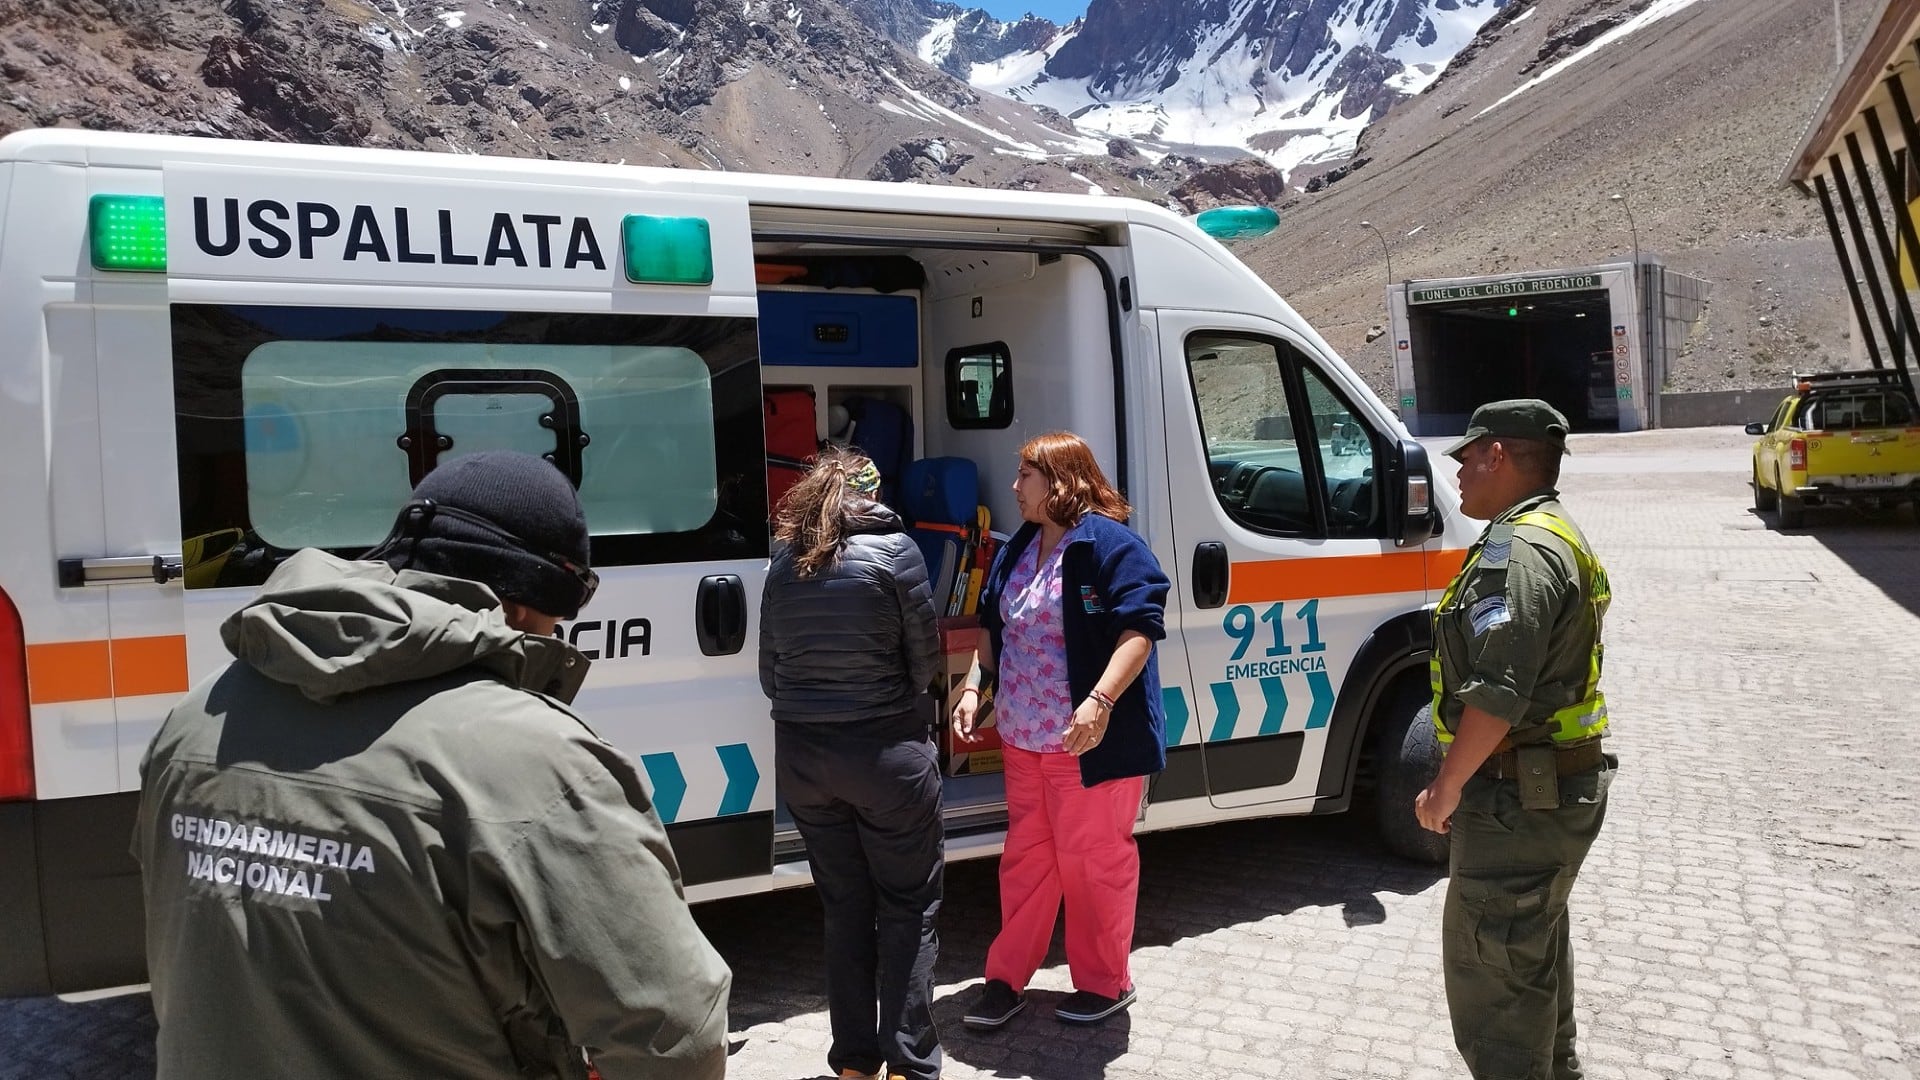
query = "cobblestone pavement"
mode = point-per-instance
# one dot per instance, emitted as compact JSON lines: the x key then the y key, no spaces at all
{"x":1750,"y":910}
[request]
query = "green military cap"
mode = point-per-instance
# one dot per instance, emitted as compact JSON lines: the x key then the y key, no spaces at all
{"x":1515,"y":418}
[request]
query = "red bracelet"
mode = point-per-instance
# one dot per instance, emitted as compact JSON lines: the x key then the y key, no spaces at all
{"x":1101,"y":698}
{"x":975,"y":689}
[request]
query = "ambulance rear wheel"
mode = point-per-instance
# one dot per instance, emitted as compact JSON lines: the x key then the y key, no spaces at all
{"x":1408,"y":758}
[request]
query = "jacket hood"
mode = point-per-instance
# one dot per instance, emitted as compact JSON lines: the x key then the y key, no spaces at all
{"x":330,"y":627}
{"x":866,"y":516}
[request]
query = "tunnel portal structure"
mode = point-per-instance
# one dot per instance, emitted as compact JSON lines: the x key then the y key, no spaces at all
{"x":1586,"y":340}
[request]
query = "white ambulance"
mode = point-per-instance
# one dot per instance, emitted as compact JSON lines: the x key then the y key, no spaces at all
{"x":217,"y":353}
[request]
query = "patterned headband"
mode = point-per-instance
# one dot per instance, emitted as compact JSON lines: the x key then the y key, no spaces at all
{"x":866,"y":481}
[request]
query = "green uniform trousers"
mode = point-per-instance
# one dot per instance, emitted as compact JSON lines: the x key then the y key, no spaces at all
{"x":1509,"y":969}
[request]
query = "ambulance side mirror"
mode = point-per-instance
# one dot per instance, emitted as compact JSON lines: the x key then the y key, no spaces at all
{"x":1409,"y":490}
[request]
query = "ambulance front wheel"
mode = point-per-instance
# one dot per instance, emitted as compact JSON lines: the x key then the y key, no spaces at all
{"x":1408,"y":757}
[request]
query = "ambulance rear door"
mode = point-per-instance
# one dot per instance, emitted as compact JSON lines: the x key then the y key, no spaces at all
{"x":337,"y":331}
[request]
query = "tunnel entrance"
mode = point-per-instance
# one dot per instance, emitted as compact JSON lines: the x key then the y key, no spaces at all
{"x":1557,"y":347}
{"x":1573,"y":337}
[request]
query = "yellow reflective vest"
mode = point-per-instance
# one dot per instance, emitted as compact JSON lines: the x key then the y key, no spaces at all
{"x":1584,"y":719}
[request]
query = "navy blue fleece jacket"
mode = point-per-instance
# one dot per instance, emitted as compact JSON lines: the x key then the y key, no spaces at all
{"x":1109,"y":583}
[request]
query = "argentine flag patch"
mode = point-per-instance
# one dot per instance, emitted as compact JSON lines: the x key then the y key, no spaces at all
{"x":1488,"y":613}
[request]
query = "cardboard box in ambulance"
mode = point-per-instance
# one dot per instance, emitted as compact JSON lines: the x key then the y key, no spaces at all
{"x":221,"y":352}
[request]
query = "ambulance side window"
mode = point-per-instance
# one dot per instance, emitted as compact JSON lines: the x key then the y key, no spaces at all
{"x":1288,"y":454}
{"x":1349,"y":455}
{"x":307,"y":427}
{"x":1248,"y":427}
{"x":980,"y":386}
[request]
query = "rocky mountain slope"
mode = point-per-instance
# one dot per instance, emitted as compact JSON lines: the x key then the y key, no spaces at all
{"x":1504,"y":163}
{"x":1690,"y":109}
{"x":798,"y":86}
{"x":1158,"y":89}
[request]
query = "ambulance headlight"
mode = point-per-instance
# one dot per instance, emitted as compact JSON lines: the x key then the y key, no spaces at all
{"x":667,"y":250}
{"x":127,"y":232}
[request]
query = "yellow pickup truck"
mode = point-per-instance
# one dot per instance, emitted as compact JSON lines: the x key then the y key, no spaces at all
{"x":1842,"y":438}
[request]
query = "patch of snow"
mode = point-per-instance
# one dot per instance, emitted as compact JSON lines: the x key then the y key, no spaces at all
{"x":1092,"y":188}
{"x":382,"y":37}
{"x":937,"y":42}
{"x":541,"y":45}
{"x":1524,"y":16}
{"x":1016,"y":69}
{"x":932,"y":110}
{"x":453,"y":19}
{"x":626,"y":84}
{"x":600,"y":27}
{"x":1658,"y":10}
{"x":1228,"y":97}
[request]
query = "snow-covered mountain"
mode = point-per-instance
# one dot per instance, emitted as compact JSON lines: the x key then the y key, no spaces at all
{"x":1291,"y":81}
{"x":1152,"y":98}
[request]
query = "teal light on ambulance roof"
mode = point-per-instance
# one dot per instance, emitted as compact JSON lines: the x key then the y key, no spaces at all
{"x":1229,"y":223}
{"x":128,"y":232}
{"x":667,"y":250}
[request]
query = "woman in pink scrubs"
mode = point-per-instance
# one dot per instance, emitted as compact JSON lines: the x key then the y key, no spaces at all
{"x":1071,"y":610}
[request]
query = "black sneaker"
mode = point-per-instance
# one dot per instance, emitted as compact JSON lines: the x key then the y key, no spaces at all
{"x":996,"y":1005}
{"x":1087,"y":1007}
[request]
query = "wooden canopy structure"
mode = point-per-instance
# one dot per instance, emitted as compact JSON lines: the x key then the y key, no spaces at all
{"x":1860,"y":158}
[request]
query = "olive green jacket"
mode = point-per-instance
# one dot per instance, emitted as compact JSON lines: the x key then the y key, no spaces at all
{"x":1516,"y":638}
{"x":379,"y":844}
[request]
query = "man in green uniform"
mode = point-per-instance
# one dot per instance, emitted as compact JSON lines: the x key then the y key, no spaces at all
{"x":379,"y":843}
{"x":1518,"y":708}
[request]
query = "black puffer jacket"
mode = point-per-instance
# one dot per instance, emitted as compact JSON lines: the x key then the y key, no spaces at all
{"x":856,"y":643}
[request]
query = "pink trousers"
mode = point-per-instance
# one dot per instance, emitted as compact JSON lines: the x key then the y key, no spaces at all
{"x":1072,"y":843}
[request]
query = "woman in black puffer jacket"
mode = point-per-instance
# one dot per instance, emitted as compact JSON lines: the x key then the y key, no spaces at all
{"x":848,"y":648}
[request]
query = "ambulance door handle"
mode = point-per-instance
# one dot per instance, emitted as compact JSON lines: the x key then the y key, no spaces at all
{"x":78,"y":573}
{"x":720,"y":614}
{"x":1212,"y":572}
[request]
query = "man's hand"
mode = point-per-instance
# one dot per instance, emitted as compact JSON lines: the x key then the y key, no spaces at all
{"x":1434,"y":807}
{"x":1479,"y":736}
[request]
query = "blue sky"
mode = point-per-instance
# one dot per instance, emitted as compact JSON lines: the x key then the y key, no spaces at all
{"x":1060,"y":11}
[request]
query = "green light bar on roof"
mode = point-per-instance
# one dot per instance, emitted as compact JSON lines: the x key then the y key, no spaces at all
{"x":1229,"y":223}
{"x":127,"y":232}
{"x":667,"y":250}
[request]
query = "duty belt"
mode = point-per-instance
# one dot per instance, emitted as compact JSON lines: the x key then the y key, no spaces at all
{"x":1566,"y":761}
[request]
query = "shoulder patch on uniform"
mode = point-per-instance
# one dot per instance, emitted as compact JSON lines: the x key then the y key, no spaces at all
{"x":1488,"y":613}
{"x":1498,"y":548}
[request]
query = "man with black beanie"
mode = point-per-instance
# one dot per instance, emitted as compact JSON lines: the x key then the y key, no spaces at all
{"x":379,"y":843}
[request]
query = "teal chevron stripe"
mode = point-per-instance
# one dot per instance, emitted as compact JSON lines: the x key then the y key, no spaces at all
{"x":1322,"y":688}
{"x":1226,"y":706}
{"x":669,"y":784}
{"x":1174,"y":700}
{"x":742,"y":777}
{"x":1276,"y":694}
